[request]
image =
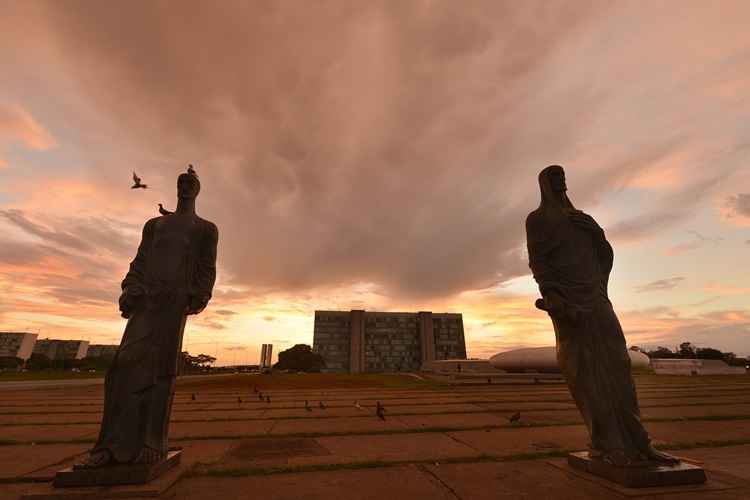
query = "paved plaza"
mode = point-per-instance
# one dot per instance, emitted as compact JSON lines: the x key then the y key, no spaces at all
{"x":437,"y":441}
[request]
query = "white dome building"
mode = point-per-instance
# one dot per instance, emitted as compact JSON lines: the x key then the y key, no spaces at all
{"x":544,"y":360}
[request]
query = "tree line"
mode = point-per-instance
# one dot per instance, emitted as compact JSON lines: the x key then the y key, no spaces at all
{"x":687,"y":350}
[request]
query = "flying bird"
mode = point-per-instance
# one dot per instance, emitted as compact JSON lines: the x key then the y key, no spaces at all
{"x":137,"y":182}
{"x":515,"y":417}
{"x":163,"y":210}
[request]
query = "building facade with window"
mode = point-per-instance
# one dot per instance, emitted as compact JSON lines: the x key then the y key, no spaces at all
{"x":360,"y":341}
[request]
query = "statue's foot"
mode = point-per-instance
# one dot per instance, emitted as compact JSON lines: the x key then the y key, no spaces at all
{"x":657,"y":456}
{"x":95,"y":460}
{"x":148,"y":456}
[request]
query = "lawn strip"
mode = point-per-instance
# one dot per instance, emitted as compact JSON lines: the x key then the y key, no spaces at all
{"x":417,"y":430}
{"x":199,"y":470}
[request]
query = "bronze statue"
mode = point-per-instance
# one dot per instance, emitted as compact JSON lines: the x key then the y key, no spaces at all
{"x":172,"y":276}
{"x":571,"y":260}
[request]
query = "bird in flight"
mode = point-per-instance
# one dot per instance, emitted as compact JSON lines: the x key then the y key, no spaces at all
{"x":515,"y":417}
{"x":137,"y":182}
{"x":163,"y":210}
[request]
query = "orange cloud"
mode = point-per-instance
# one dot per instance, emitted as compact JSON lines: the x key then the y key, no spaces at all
{"x":17,"y":125}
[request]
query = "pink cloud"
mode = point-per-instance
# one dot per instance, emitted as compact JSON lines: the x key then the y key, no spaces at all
{"x":17,"y":125}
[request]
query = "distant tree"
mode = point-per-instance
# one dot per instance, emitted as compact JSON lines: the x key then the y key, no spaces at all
{"x":195,"y":364}
{"x":38,"y":362}
{"x":300,"y":358}
{"x":661,"y":353}
{"x":98,"y":363}
{"x":709,"y":353}
{"x":686,"y":351}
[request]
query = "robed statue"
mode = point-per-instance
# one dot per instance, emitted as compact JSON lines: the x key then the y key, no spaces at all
{"x":171,"y":277}
{"x":571,"y":260}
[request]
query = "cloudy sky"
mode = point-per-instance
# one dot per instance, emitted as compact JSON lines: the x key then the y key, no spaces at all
{"x":379,"y":155}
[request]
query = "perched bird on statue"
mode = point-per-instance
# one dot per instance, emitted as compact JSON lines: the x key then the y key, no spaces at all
{"x":380,"y":411}
{"x":515,"y":417}
{"x":321,"y":405}
{"x":307,"y":406}
{"x":268,"y":399}
{"x":191,"y":170}
{"x":163,"y":210}
{"x":137,"y":183}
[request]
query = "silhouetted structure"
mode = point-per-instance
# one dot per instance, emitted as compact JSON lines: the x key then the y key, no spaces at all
{"x":172,"y":276}
{"x":363,"y":341}
{"x":571,"y":261}
{"x":62,"y":349}
{"x":17,"y":344}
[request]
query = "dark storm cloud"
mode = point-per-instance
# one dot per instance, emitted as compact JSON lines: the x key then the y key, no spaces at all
{"x":323,"y":155}
{"x":394,"y":143}
{"x":660,"y":285}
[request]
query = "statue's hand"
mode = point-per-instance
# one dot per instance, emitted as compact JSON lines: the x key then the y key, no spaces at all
{"x":586,"y":222}
{"x":129,"y":300}
{"x":556,"y":307}
{"x":197,"y":304}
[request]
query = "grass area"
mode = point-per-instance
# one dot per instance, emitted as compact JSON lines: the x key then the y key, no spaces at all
{"x":47,"y":375}
{"x":413,"y":430}
{"x":206,"y":470}
{"x":284,"y":381}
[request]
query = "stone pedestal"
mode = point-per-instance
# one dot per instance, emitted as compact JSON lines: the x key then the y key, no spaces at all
{"x":116,"y":475}
{"x":639,"y":476}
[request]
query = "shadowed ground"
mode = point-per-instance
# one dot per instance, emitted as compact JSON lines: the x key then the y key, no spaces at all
{"x":437,"y":441}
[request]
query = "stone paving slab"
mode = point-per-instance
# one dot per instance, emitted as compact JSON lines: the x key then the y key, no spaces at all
{"x":393,"y":483}
{"x":16,"y":461}
{"x":33,"y":433}
{"x":200,"y":429}
{"x":395,"y":447}
{"x":366,"y":423}
{"x":733,"y":460}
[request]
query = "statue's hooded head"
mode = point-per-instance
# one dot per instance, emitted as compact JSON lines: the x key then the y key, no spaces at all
{"x":188,"y":185}
{"x":552,"y":185}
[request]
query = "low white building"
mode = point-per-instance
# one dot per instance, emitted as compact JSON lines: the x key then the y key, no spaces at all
{"x":17,"y":344}
{"x":544,"y":360}
{"x":695,"y":367}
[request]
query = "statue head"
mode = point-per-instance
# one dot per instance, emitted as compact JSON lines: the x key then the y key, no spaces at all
{"x":188,"y":185}
{"x":553,"y":188}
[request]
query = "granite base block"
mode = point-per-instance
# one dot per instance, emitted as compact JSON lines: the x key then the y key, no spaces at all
{"x":639,"y":477}
{"x":116,"y":475}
